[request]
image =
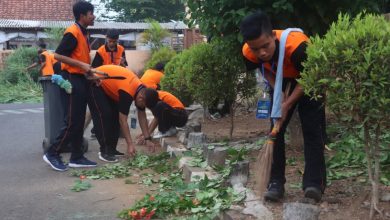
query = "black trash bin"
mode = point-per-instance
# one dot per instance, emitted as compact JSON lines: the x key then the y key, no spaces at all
{"x":54,"y":114}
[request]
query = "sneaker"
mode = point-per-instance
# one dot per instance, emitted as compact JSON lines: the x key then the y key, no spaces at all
{"x":118,"y":153}
{"x":172,"y":131}
{"x":275,"y":192}
{"x":55,"y":162}
{"x":107,"y":158}
{"x":81,"y":162}
{"x":313,"y":193}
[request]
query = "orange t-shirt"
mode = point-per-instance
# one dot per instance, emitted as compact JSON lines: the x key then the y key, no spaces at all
{"x":152,"y":78}
{"x":170,"y":99}
{"x":112,"y":86}
{"x":294,"y":39}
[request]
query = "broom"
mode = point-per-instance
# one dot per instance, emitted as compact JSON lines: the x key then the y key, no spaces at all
{"x":263,"y":162}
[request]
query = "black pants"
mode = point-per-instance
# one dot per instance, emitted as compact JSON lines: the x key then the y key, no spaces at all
{"x":74,"y":116}
{"x":105,"y":116}
{"x":312,"y":114}
{"x":168,"y":117}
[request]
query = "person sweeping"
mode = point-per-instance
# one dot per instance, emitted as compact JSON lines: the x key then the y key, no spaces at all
{"x":279,"y":54}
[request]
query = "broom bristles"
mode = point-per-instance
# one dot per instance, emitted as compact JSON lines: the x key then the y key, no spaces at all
{"x":263,"y":167}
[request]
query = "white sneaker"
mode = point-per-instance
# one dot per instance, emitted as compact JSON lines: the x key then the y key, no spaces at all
{"x":172,"y":131}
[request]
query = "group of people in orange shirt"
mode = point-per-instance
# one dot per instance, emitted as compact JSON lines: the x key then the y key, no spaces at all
{"x":108,"y":96}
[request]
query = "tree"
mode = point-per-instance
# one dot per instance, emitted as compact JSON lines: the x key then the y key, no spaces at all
{"x":55,"y":35}
{"x":139,"y":10}
{"x":222,"y":17}
{"x":154,"y":36}
{"x":351,"y":65}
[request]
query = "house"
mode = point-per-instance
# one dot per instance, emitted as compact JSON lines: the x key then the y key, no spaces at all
{"x":23,"y":23}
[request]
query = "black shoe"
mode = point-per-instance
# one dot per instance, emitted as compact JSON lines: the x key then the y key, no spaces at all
{"x":313,"y":193}
{"x":118,"y":153}
{"x":107,"y":158}
{"x":275,"y":192}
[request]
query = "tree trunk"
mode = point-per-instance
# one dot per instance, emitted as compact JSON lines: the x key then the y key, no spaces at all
{"x":373,"y":169}
{"x":231,"y":120}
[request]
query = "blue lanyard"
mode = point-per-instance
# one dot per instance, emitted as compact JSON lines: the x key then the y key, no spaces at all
{"x":267,"y":85}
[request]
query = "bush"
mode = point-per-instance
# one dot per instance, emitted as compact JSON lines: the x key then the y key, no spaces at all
{"x":174,"y":80}
{"x":15,"y":66}
{"x":163,"y":55}
{"x":351,"y":64}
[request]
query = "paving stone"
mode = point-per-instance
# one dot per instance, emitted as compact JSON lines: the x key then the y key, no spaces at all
{"x":216,"y":156}
{"x":240,"y":173}
{"x":192,"y":174}
{"x":236,"y":215}
{"x":196,"y":139}
{"x":167,"y":141}
{"x":300,"y":211}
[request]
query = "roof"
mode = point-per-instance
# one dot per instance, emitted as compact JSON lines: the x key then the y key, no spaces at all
{"x":39,"y":24}
{"x":37,"y":9}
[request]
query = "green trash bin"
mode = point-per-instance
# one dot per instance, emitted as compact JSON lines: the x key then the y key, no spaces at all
{"x":54,"y":114}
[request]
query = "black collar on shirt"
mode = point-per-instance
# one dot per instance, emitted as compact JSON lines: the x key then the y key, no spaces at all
{"x":109,"y":50}
{"x":83,"y":29}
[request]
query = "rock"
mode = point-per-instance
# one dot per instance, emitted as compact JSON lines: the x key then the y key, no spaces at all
{"x":235,"y":215}
{"x":196,"y":116}
{"x":196,"y":139}
{"x":240,"y":173}
{"x":300,"y":211}
{"x":216,"y":156}
{"x":385,"y":197}
{"x":182,"y":137}
{"x":254,"y":207}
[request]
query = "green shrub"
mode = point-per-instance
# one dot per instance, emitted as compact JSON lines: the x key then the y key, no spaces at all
{"x":163,"y":55}
{"x":174,"y":80}
{"x":351,"y":64}
{"x":15,"y":66}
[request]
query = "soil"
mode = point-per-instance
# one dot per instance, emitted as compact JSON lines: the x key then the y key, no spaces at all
{"x":343,"y":199}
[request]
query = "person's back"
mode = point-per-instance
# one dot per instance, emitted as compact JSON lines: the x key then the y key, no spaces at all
{"x":152,"y":77}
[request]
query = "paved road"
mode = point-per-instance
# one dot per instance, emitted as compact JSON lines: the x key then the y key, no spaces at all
{"x":30,"y":189}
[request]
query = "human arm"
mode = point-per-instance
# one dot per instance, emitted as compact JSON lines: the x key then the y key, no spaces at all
{"x":125,"y":101}
{"x":97,"y":61}
{"x":64,"y":51}
{"x":123,"y":60}
{"x":143,"y":123}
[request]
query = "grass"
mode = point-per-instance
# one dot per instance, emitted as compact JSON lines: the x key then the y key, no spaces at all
{"x":23,"y":92}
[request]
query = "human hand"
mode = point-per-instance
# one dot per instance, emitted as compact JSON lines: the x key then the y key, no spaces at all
{"x":140,"y":139}
{"x":151,"y":145}
{"x":131,"y":150}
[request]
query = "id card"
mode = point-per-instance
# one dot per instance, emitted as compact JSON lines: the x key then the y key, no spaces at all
{"x":263,"y":109}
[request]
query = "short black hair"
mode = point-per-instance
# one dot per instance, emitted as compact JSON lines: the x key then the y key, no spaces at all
{"x":254,"y":25}
{"x":159,"y":66}
{"x":113,"y":34}
{"x":81,"y":7}
{"x":151,"y":97}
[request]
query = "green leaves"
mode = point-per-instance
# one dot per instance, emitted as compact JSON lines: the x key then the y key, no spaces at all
{"x":81,"y":185}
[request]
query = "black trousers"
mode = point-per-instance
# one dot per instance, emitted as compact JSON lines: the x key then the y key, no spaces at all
{"x":312,"y":115}
{"x":168,"y":117}
{"x":105,"y":116}
{"x":74,"y":116}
